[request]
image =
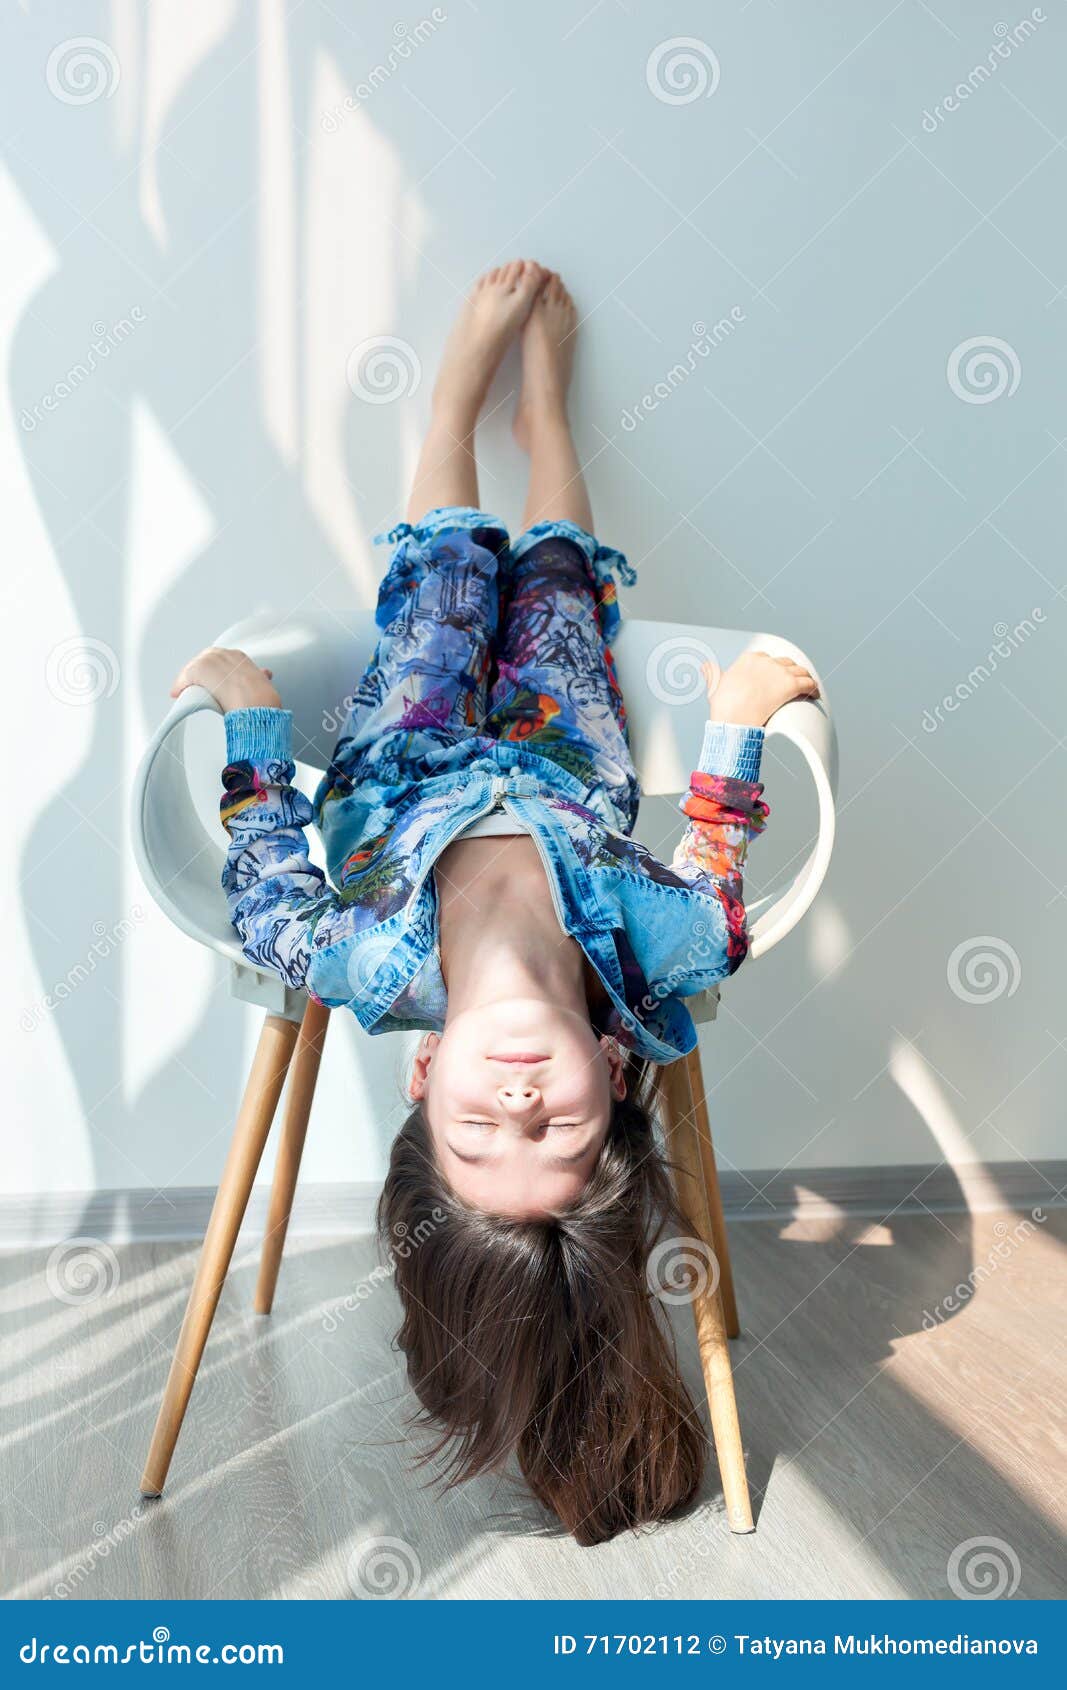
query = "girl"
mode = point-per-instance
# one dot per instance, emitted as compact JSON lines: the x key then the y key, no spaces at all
{"x":477,"y":816}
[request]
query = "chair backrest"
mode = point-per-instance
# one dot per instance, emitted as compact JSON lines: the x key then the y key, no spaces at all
{"x":317,"y":660}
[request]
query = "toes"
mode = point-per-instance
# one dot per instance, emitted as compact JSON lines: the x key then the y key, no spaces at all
{"x":555,"y":293}
{"x":525,"y":272}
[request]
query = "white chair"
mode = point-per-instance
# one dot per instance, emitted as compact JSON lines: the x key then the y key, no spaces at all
{"x":180,"y":847}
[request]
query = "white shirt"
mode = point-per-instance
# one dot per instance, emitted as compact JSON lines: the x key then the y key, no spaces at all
{"x":498,"y":824}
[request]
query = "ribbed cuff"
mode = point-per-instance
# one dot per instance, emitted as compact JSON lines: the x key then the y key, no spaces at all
{"x":259,"y":735}
{"x":731,"y":751}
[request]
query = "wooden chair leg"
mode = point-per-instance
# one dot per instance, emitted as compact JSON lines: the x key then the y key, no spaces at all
{"x":260,"y":1100}
{"x":684,"y":1149}
{"x":303,"y":1073}
{"x":719,"y":1241}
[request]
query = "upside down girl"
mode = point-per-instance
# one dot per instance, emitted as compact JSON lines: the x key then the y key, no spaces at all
{"x":484,"y":890}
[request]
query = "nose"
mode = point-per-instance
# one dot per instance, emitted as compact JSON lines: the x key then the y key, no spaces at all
{"x":519,"y":1098}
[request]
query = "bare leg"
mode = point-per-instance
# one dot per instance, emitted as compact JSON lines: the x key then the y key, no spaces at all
{"x":499,"y":304}
{"x":557,"y":490}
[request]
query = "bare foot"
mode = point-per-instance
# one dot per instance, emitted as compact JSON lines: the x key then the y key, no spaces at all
{"x":547,"y":358}
{"x":491,"y":317}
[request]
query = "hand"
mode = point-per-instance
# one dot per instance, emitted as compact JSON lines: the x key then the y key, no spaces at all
{"x":754,"y":687}
{"x":231,"y":677}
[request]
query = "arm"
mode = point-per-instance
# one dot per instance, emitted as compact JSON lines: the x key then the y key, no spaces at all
{"x":724,"y":805}
{"x":275,"y":893}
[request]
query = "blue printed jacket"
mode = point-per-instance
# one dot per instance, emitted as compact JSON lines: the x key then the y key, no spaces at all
{"x":655,"y":934}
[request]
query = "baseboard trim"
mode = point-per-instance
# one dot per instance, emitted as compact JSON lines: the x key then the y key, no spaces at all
{"x":344,"y":1210}
{"x":896,"y":1189}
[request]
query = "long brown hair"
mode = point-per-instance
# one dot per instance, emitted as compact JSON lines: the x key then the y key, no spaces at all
{"x":542,"y":1338}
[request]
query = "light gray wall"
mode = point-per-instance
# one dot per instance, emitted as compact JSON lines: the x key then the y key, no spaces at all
{"x":229,"y":230}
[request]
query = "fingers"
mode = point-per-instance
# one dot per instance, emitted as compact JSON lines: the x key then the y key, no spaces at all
{"x":804,"y":681}
{"x":807,"y":685}
{"x":211,"y":665}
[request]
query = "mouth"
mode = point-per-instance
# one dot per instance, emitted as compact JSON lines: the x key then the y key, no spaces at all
{"x":514,"y":1059}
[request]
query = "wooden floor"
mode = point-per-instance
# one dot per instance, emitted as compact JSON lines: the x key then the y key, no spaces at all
{"x":879,"y":1438}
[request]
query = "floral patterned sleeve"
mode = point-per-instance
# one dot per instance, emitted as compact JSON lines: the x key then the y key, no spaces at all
{"x":725,"y":810}
{"x":275,"y":893}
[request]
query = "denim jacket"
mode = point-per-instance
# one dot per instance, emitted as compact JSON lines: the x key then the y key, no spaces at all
{"x":655,"y":934}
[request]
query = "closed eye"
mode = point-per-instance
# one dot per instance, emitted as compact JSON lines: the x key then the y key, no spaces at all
{"x":558,"y":1162}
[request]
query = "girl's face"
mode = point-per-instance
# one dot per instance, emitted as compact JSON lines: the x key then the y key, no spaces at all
{"x":518,"y":1097}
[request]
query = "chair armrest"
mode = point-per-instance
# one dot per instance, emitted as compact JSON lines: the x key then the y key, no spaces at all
{"x":807,"y":724}
{"x":180,"y":862}
{"x":186,"y":704}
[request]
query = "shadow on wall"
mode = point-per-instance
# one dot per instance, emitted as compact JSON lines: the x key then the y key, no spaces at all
{"x":216,"y":460}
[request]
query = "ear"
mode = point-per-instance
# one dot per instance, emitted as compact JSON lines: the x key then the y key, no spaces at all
{"x":616,"y":1074}
{"x":421,"y":1068}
